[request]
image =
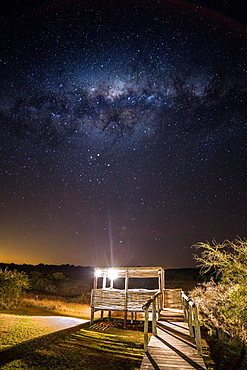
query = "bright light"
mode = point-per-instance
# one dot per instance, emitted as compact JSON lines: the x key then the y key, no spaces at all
{"x":112,"y":274}
{"x":98,"y":273}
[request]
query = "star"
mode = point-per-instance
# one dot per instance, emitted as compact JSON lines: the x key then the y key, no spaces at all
{"x":123,"y":125}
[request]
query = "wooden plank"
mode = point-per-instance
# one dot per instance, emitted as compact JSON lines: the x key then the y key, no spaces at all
{"x":116,"y":299}
{"x":172,"y":348}
{"x":172,"y":298}
{"x":133,"y":272}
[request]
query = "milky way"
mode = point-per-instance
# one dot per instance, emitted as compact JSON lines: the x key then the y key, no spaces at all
{"x":123,"y":125}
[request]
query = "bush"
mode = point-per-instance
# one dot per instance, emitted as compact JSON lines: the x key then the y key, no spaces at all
{"x":215,"y":305}
{"x":12,"y":287}
{"x":42,"y":283}
{"x":224,"y":304}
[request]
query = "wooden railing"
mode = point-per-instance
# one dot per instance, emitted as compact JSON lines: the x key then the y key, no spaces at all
{"x":154,"y":300}
{"x":191,"y":316}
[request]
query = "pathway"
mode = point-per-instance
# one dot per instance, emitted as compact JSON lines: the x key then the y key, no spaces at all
{"x":172,"y":348}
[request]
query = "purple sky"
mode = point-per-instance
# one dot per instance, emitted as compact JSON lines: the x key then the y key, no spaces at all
{"x":123,"y":131}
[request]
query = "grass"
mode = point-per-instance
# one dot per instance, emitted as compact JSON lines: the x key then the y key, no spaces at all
{"x":60,"y":307}
{"x":84,"y":347}
{"x":25,"y":344}
{"x":16,"y":329}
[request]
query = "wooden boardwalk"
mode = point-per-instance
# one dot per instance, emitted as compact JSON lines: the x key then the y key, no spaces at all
{"x":172,"y":348}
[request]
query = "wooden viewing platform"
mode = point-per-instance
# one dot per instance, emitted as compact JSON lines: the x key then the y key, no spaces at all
{"x":172,"y":348}
{"x":106,"y":297}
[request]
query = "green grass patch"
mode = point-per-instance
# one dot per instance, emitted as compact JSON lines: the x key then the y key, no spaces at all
{"x":103,"y":347}
{"x":15,"y":329}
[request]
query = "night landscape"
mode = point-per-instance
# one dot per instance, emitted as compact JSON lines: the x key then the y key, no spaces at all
{"x":123,"y":128}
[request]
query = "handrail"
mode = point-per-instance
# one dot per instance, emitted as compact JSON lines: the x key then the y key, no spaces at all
{"x":191,"y":316}
{"x":187,"y":298}
{"x":145,"y":307}
{"x":150,"y":300}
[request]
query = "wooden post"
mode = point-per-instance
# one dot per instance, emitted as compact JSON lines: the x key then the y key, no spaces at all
{"x":190,"y":321}
{"x":95,"y":282}
{"x":146,"y":329}
{"x":197,"y":331}
{"x":132,"y":317}
{"x":104,"y":281}
{"x":102,"y":315}
{"x":154,"y":324}
{"x":185,"y":309}
{"x":158,"y":306}
{"x":145,"y":307}
{"x":191,"y":312}
{"x":92,"y":307}
{"x":92,"y":315}
{"x":162,"y":287}
{"x":126,"y":299}
{"x":159,"y":280}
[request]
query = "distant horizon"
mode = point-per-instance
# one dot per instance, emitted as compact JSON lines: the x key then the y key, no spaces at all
{"x":89,"y":266}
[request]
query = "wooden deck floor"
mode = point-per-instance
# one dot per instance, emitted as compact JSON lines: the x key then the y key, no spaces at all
{"x":172,"y":348}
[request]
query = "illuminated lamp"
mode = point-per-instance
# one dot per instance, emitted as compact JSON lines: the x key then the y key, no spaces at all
{"x":98,"y":273}
{"x":112,"y":274}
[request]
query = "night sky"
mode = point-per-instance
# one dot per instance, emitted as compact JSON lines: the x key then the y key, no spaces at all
{"x":123,"y":130}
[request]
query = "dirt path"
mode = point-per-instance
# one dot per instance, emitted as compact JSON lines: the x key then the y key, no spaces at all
{"x":55,"y":322}
{"x":52,"y":322}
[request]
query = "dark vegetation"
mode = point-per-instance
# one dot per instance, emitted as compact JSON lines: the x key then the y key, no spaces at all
{"x":63,"y":280}
{"x":223,"y":301}
{"x":70,"y":280}
{"x":12,"y":287}
{"x":185,"y":279}
{"x":70,"y":271}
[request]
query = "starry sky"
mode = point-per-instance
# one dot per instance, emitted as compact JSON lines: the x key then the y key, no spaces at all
{"x":123,"y":130}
